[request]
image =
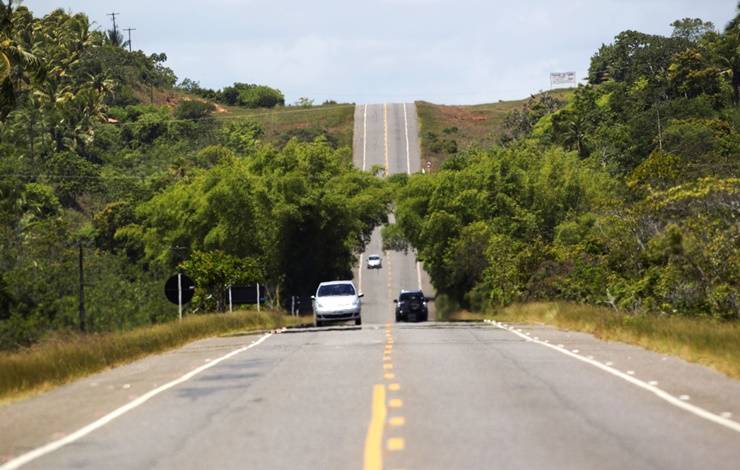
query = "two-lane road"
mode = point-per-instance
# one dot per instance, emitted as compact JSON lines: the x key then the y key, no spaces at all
{"x":394,"y":396}
{"x":386,"y":138}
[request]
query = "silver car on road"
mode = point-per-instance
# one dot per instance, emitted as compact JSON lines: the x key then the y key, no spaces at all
{"x":336,"y":301}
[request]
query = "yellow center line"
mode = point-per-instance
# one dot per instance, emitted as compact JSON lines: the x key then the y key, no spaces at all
{"x":374,"y":439}
{"x":396,"y":443}
{"x":394,"y":387}
{"x":397,"y":421}
{"x":389,"y":376}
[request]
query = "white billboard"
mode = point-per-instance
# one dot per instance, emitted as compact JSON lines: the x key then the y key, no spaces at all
{"x":562,"y":78}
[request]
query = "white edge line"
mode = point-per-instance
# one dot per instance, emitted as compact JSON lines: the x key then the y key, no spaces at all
{"x":359,"y":273}
{"x":408,"y":156}
{"x":700,"y":412}
{"x":82,"y":432}
{"x":364,"y":139}
{"x":418,"y":274}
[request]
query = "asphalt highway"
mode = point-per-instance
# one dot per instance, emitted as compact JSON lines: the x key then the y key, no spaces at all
{"x":394,"y":396}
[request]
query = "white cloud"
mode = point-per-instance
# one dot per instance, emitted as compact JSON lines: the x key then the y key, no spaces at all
{"x":453,"y":51}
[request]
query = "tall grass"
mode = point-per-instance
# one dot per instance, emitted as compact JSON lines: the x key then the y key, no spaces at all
{"x":703,"y":340}
{"x":62,"y":358}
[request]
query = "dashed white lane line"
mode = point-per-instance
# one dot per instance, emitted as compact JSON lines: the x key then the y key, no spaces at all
{"x":82,"y":432}
{"x":679,"y":402}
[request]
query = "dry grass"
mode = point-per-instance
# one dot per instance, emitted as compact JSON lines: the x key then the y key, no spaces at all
{"x":337,"y":120}
{"x":705,"y":341}
{"x":478,"y":125}
{"x":64,"y":358}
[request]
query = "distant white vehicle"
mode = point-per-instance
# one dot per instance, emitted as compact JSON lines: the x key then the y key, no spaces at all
{"x":374,"y":262}
{"x":336,"y":301}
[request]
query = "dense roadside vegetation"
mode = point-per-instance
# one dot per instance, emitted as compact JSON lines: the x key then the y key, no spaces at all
{"x":627,"y":196}
{"x":89,"y":160}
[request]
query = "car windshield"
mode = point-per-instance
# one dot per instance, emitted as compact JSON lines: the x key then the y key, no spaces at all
{"x":374,"y":257}
{"x":336,"y":289}
{"x":411,"y":296}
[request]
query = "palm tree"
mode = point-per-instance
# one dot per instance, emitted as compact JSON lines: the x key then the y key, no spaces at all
{"x":115,"y":38}
{"x":14,"y":61}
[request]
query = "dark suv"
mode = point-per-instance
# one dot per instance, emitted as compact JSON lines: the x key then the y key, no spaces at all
{"x":411,"y":305}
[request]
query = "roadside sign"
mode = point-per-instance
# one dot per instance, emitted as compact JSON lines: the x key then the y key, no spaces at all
{"x":179,"y":289}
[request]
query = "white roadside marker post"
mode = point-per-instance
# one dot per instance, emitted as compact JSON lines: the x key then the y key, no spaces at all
{"x":258,"y":296}
{"x":230,"y":304}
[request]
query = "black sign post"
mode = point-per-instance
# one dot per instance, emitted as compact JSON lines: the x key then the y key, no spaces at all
{"x":179,"y":289}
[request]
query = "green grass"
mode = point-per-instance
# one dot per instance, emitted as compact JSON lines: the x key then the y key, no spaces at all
{"x":336,"y":120}
{"x":478,"y":125}
{"x":61,"y":359}
{"x":705,"y":341}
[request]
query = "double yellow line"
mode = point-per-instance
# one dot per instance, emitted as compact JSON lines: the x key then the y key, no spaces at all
{"x":380,"y":415}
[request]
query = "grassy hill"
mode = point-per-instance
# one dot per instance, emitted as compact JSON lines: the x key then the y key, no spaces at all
{"x":480,"y":125}
{"x":336,"y":122}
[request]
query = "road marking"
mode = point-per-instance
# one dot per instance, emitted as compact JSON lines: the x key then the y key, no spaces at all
{"x":418,"y":273}
{"x":395,"y":403}
{"x":397,"y":421}
{"x":389,"y":376}
{"x":396,"y":443}
{"x":364,"y":140}
{"x":359,"y":273}
{"x":374,"y":439}
{"x":679,"y":402}
{"x":388,"y":366}
{"x":84,"y":431}
{"x":394,"y":387}
{"x":385,"y":134}
{"x":406,"y":127}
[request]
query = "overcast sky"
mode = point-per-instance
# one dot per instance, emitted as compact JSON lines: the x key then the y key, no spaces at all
{"x":446,"y":51}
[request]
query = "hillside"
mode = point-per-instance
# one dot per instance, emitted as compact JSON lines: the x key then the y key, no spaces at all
{"x":445,"y":129}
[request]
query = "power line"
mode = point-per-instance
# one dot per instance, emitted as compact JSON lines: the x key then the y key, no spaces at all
{"x":113,"y":15}
{"x":129,"y":36}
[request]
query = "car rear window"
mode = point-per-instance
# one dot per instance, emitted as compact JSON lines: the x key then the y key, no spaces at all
{"x":411,"y":295}
{"x":336,"y":289}
{"x":374,"y":257}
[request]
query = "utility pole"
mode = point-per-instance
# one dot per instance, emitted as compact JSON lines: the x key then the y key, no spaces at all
{"x":113,"y":15}
{"x":83,"y":316}
{"x":129,"y":36}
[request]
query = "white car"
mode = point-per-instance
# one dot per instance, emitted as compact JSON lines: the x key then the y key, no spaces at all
{"x":336,"y":301}
{"x":374,"y":262}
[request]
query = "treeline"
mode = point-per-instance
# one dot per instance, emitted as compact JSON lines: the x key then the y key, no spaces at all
{"x":627,"y":196}
{"x":144,"y":191}
{"x":247,"y":95}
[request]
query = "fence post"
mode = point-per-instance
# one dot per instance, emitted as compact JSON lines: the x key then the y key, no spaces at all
{"x":258,"y":297}
{"x":292,"y":305}
{"x":230,"y":304}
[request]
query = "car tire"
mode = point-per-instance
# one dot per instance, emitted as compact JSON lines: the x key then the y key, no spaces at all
{"x":358,"y":321}
{"x":318,"y":323}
